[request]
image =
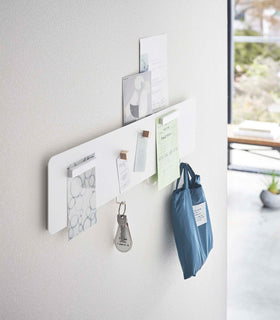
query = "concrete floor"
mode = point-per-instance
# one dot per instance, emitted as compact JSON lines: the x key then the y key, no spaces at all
{"x":253,"y":251}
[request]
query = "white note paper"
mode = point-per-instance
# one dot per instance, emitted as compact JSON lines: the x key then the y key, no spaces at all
{"x":199,"y":211}
{"x":141,"y":153}
{"x":123,"y":174}
{"x":153,"y":57}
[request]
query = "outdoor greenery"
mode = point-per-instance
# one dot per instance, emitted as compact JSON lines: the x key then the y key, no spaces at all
{"x":256,"y":80}
{"x":246,"y":53}
{"x":257,"y":65}
{"x":256,"y":9}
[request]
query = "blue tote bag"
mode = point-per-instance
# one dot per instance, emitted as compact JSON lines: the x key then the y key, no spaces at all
{"x":191,"y":222}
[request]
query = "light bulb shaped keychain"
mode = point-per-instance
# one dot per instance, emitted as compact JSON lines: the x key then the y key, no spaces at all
{"x":123,"y":240}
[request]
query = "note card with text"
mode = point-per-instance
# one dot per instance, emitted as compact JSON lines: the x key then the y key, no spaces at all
{"x":167,"y":153}
{"x":153,"y":57}
{"x":123,"y":174}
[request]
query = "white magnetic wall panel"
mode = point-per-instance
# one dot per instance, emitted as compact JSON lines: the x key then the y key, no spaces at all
{"x":107,"y":149}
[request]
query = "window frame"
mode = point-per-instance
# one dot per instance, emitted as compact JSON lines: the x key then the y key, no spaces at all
{"x":230,"y":46}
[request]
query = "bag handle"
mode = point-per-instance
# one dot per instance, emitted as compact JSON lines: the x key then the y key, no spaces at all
{"x":191,"y":172}
{"x":188,"y":171}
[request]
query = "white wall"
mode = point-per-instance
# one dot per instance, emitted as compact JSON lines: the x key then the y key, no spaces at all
{"x":61,"y":69}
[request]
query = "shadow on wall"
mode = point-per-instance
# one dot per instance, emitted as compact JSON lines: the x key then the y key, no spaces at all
{"x":44,"y":194}
{"x":168,"y":242}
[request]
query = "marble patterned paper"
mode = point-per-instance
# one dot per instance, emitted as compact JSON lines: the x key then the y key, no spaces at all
{"x":81,"y":208}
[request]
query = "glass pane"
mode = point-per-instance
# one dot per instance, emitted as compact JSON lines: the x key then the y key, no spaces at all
{"x":256,"y":82}
{"x":257,"y":17}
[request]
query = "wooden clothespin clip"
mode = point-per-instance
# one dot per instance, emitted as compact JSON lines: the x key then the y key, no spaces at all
{"x":145,"y":134}
{"x":124,"y":155}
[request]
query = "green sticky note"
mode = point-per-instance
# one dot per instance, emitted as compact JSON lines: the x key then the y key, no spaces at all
{"x":167,"y":153}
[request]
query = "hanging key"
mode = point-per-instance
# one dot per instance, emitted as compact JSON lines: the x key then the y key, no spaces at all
{"x":122,"y":223}
{"x":123,"y":240}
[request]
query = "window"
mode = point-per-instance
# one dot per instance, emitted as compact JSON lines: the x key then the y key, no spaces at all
{"x":256,"y":75}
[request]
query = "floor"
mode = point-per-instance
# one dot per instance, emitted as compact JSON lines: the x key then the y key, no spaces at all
{"x":253,"y":251}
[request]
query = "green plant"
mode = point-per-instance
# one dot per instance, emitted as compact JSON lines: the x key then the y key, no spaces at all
{"x":246,"y":52}
{"x":273,"y":186}
{"x":256,"y":90}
